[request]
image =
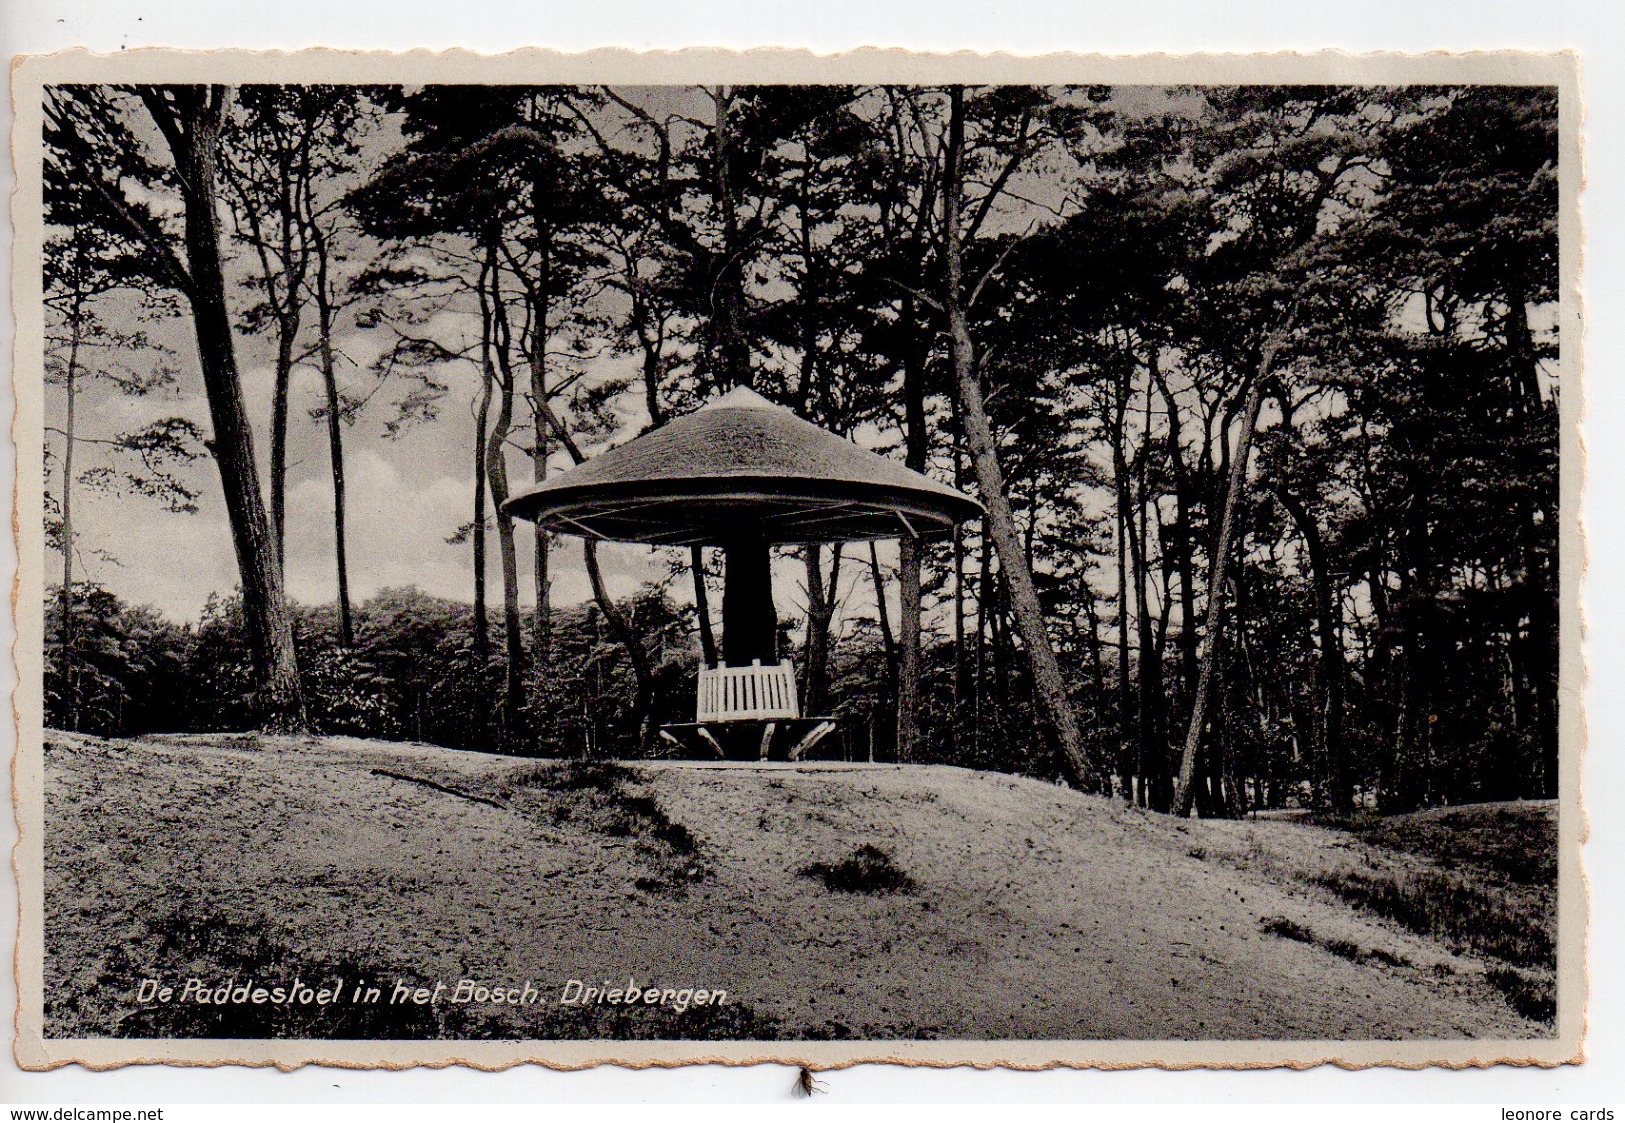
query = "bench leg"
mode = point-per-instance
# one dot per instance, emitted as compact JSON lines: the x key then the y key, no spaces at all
{"x":705,"y":735}
{"x":810,"y":741}
{"x":767,"y":738}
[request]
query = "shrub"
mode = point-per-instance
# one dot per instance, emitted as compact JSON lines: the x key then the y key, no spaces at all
{"x":868,"y":869}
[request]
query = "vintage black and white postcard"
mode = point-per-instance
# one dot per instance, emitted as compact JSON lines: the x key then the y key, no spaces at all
{"x":648,"y":558}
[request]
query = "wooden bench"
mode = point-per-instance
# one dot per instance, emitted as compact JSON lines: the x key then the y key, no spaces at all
{"x":759,"y":695}
{"x":753,"y":693}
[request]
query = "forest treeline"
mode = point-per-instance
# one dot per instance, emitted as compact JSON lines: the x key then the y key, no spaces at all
{"x":1256,"y":386}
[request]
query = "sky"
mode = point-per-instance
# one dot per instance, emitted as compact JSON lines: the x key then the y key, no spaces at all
{"x":405,"y":498}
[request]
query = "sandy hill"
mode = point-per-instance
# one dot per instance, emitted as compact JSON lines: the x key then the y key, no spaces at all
{"x":825,"y":900}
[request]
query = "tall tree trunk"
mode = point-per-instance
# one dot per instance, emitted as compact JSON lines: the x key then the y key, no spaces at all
{"x":642,"y":672}
{"x":289,"y":176}
{"x":625,"y":634}
{"x":908,"y":643}
{"x":1153,"y":749}
{"x":909,"y":553}
{"x":1380,"y":692}
{"x":1132,"y":780}
{"x":544,"y":599}
{"x":652,"y":344}
{"x":539,"y":292}
{"x":1329,"y":624}
{"x":1524,"y":367}
{"x":1097,"y":658}
{"x":190,"y":119}
{"x":888,"y":646}
{"x":961,"y":656}
{"x":335,"y":438}
{"x":1420,"y":673}
{"x":702,"y":606}
{"x":482,"y":426}
{"x":883,"y":614}
{"x":496,"y":470}
{"x":820,"y":611}
{"x":1538,"y":547}
{"x":70,"y":655}
{"x":287,"y":332}
{"x":810,"y":297}
{"x":733,"y":348}
{"x":990,"y":476}
{"x":984,"y":605}
{"x":1220,"y":563}
{"x":1180,"y":538}
{"x":999,"y":639}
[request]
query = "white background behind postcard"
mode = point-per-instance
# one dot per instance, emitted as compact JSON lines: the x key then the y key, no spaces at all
{"x":1596,"y":29}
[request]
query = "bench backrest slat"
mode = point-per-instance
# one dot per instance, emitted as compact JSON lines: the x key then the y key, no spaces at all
{"x":753,"y":693}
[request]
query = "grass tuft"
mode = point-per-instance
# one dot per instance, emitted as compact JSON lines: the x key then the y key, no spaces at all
{"x":599,"y":795}
{"x":868,"y":869}
{"x":1534,"y":998}
{"x":1516,"y":841}
{"x":1447,"y":905}
{"x":1286,"y":929}
{"x":1346,"y":949}
{"x":603,"y":776}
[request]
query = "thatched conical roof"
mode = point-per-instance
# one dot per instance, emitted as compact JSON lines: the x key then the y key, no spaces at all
{"x":742,"y":467}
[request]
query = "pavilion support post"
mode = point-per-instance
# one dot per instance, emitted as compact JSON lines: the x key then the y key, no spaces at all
{"x":749,"y":623}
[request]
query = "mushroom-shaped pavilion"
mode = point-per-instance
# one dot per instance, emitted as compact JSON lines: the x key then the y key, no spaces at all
{"x":744,"y":474}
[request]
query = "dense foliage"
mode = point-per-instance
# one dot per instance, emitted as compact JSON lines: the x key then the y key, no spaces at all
{"x":412,"y":674}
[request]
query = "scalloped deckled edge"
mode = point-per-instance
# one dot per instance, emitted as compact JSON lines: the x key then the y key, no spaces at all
{"x":775,"y":64}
